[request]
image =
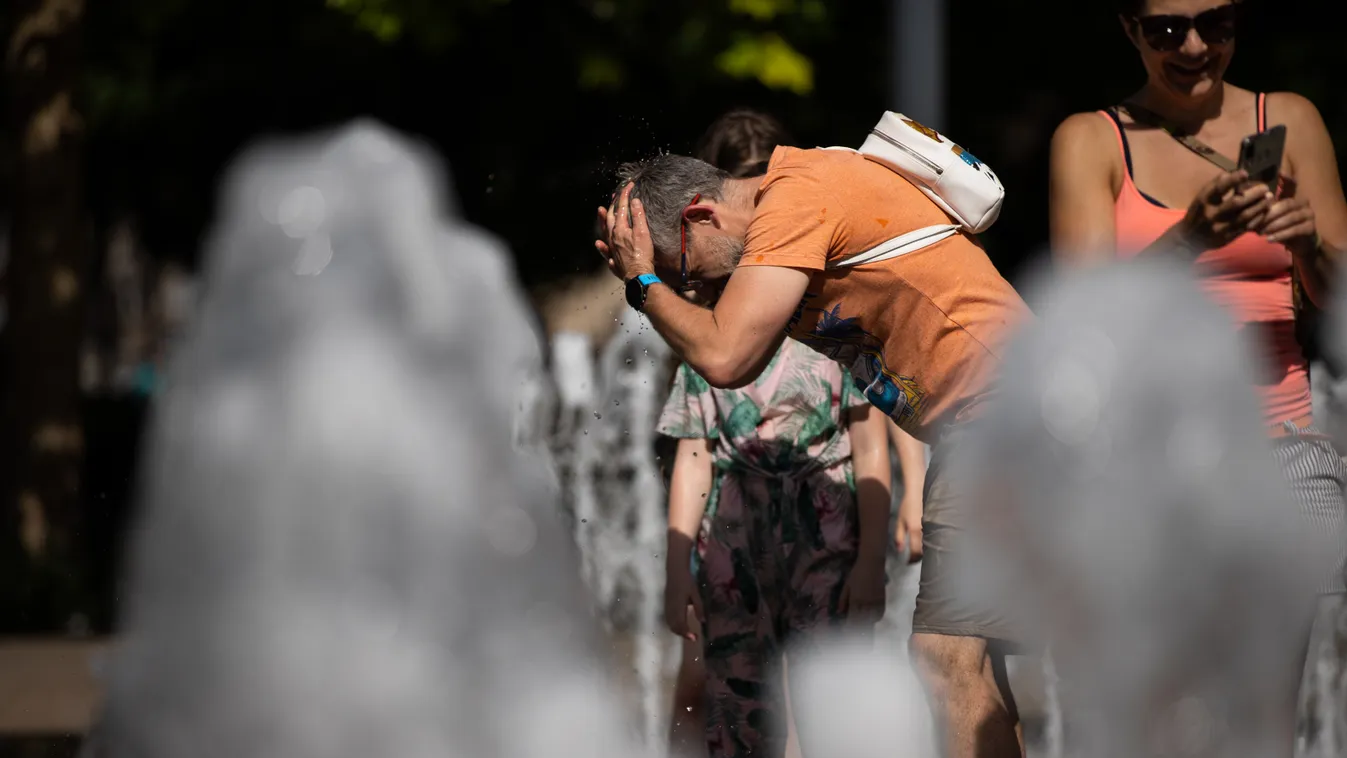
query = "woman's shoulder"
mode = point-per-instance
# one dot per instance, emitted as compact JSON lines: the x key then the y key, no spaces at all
{"x":1291,"y":108}
{"x":1087,"y":141}
{"x":1088,"y":128}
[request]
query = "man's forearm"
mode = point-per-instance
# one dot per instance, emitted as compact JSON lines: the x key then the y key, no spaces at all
{"x":696,"y":336}
{"x":689,"y":329}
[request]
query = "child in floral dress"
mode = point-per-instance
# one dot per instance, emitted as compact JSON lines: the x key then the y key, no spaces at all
{"x":784,"y":486}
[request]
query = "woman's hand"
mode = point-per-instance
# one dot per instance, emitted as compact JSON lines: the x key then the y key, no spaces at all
{"x":1290,"y":221}
{"x":1223,"y":210}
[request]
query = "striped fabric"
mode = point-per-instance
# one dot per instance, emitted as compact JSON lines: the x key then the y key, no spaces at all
{"x":1316,"y":474}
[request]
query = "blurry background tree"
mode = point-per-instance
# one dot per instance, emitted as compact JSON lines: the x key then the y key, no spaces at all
{"x":532,"y":103}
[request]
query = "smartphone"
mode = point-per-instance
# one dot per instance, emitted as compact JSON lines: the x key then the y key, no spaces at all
{"x":1261,"y":155}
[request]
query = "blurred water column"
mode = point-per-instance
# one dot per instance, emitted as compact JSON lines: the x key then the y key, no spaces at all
{"x":918,"y":60}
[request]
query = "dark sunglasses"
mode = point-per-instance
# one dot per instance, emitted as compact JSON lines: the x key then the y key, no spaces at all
{"x":1167,"y":33}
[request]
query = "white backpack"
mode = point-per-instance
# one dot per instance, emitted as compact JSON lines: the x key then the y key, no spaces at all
{"x":964,"y":187}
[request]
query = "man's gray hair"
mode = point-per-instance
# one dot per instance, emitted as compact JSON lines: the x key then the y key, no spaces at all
{"x":666,"y":185}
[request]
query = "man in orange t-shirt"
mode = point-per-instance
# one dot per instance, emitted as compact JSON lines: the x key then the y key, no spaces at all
{"x":922,"y":335}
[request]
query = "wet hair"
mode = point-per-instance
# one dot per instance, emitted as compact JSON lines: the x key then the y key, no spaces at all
{"x":741,"y":142}
{"x":665,"y":185}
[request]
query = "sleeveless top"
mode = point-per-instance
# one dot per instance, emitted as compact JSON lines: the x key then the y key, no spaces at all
{"x":1250,"y":278}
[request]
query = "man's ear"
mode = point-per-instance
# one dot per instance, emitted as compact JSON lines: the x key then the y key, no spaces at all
{"x":701,"y":213}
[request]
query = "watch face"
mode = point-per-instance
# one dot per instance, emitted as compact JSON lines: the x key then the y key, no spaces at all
{"x":635,"y":293}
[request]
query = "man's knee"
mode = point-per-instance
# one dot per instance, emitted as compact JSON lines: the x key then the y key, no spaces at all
{"x":948,"y":662}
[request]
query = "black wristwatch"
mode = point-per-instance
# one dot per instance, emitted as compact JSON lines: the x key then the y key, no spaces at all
{"x":636,"y":290}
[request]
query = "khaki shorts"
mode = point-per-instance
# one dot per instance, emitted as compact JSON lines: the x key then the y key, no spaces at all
{"x":958,"y":595}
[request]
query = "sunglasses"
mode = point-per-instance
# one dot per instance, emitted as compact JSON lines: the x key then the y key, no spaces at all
{"x":1166,"y":34}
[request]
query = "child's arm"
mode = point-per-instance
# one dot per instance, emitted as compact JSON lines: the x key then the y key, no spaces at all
{"x":692,"y":473}
{"x":912,"y":464}
{"x":870,"y":464}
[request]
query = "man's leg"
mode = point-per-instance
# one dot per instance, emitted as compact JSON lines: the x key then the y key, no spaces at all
{"x":957,"y":613}
{"x":974,"y":713}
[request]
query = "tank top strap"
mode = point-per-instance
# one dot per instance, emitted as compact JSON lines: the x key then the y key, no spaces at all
{"x":1112,"y":116}
{"x":1262,"y":112}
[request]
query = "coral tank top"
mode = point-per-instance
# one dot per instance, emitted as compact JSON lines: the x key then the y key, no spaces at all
{"x":1250,"y":278}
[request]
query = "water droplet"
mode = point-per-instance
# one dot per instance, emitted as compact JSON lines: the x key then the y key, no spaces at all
{"x":628,"y":361}
{"x":617,"y":402}
{"x":584,"y":521}
{"x":596,"y":415}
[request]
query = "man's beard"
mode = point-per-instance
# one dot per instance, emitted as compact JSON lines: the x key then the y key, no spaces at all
{"x":728,"y":251}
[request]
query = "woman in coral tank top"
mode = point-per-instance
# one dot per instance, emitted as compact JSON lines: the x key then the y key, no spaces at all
{"x":1130,"y":181}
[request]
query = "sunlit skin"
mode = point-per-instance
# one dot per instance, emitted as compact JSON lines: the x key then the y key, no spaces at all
{"x":1187,"y":87}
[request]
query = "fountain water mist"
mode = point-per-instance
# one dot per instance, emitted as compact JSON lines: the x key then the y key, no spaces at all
{"x":1142,"y":520}
{"x":611,"y":481}
{"x":341,"y":552}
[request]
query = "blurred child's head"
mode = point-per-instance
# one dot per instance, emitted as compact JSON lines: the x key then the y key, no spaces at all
{"x":741,"y":142}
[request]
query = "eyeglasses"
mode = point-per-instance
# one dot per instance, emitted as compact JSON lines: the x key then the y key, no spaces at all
{"x":1166,"y":34}
{"x":683,"y":243}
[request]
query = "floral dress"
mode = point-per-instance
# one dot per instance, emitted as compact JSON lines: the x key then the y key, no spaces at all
{"x":779,"y":535}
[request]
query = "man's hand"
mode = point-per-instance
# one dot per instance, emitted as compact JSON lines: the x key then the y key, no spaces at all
{"x":907,"y":535}
{"x":628,"y":249}
{"x":680,"y":592}
{"x":863,"y":595}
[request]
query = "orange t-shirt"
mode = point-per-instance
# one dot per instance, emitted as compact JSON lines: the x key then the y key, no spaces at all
{"x":922,"y":333}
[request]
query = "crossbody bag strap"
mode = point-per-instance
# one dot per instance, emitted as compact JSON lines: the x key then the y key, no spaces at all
{"x":903,"y":244}
{"x":1148,"y":117}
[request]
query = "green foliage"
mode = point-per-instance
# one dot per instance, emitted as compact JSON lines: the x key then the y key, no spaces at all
{"x":746,"y":39}
{"x":771,"y":60}
{"x":601,"y":71}
{"x":374,"y":16}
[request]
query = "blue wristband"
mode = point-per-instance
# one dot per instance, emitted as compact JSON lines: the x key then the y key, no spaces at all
{"x":636,"y":287}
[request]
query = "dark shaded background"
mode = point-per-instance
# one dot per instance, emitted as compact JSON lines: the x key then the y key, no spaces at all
{"x":534,"y":102}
